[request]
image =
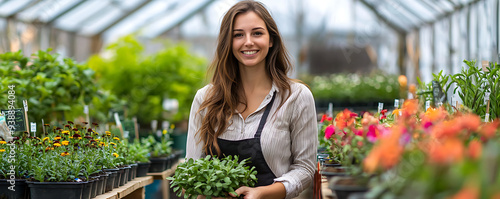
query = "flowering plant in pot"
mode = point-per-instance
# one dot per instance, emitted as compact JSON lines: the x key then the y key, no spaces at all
{"x":14,"y":163}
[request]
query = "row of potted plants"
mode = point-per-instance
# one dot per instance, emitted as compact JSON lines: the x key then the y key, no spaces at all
{"x":74,"y":161}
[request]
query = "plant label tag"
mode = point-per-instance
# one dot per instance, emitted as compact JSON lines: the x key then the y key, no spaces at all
{"x":33,"y":127}
{"x":427,"y":105}
{"x":485,"y":65}
{"x":396,"y":103}
{"x":25,"y":104}
{"x":86,"y":109}
{"x":117,"y":120}
{"x":486,"y":97}
{"x":380,"y":107}
{"x":487,"y":117}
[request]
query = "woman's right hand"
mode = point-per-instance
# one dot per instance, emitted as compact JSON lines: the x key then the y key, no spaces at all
{"x":204,"y":197}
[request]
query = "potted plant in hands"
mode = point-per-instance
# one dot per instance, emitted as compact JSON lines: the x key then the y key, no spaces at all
{"x":212,"y":177}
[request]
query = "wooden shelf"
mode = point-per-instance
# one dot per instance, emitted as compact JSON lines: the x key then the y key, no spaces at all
{"x":326,"y":192}
{"x":133,"y":189}
{"x":164,"y":174}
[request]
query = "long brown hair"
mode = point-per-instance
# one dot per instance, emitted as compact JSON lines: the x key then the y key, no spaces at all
{"x":222,"y":97}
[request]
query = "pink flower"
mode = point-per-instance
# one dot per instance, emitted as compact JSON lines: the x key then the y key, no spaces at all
{"x":329,"y":131}
{"x":371,"y":135}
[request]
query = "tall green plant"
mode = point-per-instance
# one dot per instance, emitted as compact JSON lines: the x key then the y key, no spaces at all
{"x":144,"y":81}
{"x":472,"y":84}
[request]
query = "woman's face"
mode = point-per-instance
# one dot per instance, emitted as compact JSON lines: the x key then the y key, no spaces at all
{"x":251,"y":41}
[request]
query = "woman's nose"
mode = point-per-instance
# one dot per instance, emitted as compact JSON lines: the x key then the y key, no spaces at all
{"x":249,"y":42}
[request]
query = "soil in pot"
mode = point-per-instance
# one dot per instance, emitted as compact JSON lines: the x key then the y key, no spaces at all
{"x":21,"y":190}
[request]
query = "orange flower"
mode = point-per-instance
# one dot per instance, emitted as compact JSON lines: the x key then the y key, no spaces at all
{"x":469,"y":121}
{"x":413,"y":89}
{"x":386,"y":153}
{"x":410,"y":107}
{"x":64,"y":154}
{"x":65,"y":143}
{"x":445,"y":129}
{"x":402,"y":81}
{"x":345,"y":119}
{"x":445,"y":151}
{"x":432,"y":115}
{"x":489,"y":129}
{"x":57,"y":138}
{"x":475,"y":149}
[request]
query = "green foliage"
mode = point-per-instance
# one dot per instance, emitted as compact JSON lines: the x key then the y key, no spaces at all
{"x":144,"y":81}
{"x":160,"y":148}
{"x":355,"y":87}
{"x":471,"y":85}
{"x":212,"y":177}
{"x":54,"y":88}
{"x":138,"y":152}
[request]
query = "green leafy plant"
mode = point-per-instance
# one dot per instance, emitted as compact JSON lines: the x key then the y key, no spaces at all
{"x":212,"y":177}
{"x":144,"y":81}
{"x":138,"y":152}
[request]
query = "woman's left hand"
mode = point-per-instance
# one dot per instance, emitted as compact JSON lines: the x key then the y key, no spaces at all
{"x":249,"y":192}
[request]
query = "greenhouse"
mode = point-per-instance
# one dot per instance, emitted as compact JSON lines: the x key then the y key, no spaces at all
{"x":395,"y":99}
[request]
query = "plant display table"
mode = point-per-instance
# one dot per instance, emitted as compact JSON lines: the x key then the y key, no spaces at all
{"x":165,"y":184}
{"x":325,"y":191}
{"x":132,"y":190}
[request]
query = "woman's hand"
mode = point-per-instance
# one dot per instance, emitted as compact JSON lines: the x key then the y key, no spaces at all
{"x":274,"y":191}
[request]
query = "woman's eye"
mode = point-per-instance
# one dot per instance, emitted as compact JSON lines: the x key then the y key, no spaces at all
{"x":258,"y":33}
{"x":238,"y":35}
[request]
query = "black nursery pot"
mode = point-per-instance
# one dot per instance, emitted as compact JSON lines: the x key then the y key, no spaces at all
{"x":343,"y":191}
{"x":51,"y":190}
{"x":113,"y":173}
{"x":142,"y":169}
{"x":124,"y":178}
{"x":132,"y":173}
{"x":21,"y":190}
{"x":87,"y":189}
{"x":158,"y":165}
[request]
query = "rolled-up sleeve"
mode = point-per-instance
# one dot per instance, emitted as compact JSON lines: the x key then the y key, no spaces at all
{"x":304,"y":142}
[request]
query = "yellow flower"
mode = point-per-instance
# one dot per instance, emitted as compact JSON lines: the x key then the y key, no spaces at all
{"x":57,"y":144}
{"x":45,"y":138}
{"x":79,"y":138}
{"x":108,"y":133}
{"x":70,"y":137}
{"x":97,"y":139}
{"x":64,"y":154}
{"x":2,"y":150}
{"x":65,"y":132}
{"x":115,"y":154}
{"x":3,"y":142}
{"x":165,"y":131}
{"x":101,"y":144}
{"x":65,"y":143}
{"x":112,"y":143}
{"x":116,"y":138}
{"x":172,"y":126}
{"x":57,"y":138}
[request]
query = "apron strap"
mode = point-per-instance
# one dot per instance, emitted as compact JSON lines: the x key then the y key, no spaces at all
{"x":264,"y":117}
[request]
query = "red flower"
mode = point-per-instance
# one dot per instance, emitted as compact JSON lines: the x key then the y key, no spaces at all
{"x":329,"y":131}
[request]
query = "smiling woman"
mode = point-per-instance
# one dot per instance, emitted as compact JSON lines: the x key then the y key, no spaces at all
{"x":252,"y":109}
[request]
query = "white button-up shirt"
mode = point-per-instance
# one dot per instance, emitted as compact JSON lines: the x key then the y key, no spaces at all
{"x":289,"y":138}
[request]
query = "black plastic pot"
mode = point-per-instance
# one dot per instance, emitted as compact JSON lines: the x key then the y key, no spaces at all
{"x":124,"y":177}
{"x":95,"y":185}
{"x":132,"y":173}
{"x":51,"y":190}
{"x":142,"y":169}
{"x":118,"y":177}
{"x":103,"y":180}
{"x":343,"y":191}
{"x":158,"y":164}
{"x":113,"y":173}
{"x":21,"y":189}
{"x":87,"y":189}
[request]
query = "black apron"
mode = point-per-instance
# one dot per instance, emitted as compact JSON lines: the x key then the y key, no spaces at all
{"x":251,"y":148}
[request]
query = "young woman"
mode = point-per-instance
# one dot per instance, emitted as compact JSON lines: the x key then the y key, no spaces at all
{"x":253,"y":109}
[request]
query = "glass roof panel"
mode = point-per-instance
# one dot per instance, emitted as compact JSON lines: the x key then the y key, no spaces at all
{"x":8,"y":8}
{"x":74,"y":19}
{"x":170,"y":19}
{"x":400,"y":13}
{"x":94,"y":25}
{"x":424,"y":12}
{"x":139,"y":18}
{"x":389,"y":16}
{"x":44,"y":11}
